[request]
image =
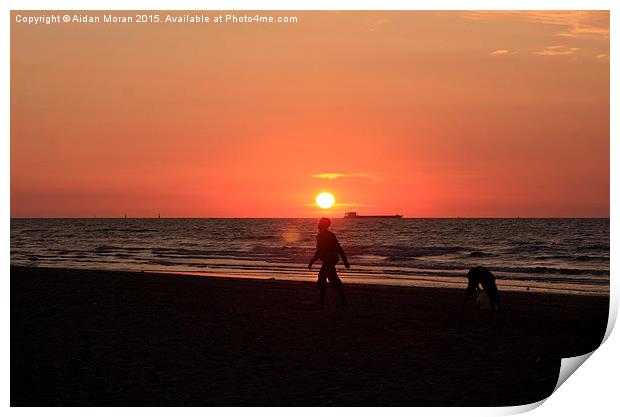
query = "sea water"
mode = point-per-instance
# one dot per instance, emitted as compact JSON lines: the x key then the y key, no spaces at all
{"x":559,"y":255}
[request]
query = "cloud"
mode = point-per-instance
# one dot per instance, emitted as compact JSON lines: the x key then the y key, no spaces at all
{"x":378,"y":23}
{"x":577,"y":22}
{"x":570,"y":23}
{"x":557,"y":50}
{"x":499,"y":52}
{"x":334,"y":175}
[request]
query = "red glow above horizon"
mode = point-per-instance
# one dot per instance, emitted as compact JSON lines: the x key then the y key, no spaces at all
{"x":427,"y":114}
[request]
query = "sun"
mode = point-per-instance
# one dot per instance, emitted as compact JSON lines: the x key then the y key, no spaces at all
{"x":325,"y":200}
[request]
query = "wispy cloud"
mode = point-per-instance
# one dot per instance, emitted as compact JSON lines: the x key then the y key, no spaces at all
{"x":577,"y":22}
{"x":570,"y":23}
{"x":378,"y":23}
{"x":557,"y":50}
{"x":334,"y":175}
{"x":500,"y":52}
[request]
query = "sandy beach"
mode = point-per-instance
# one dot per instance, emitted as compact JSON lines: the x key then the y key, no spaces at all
{"x":82,"y":337}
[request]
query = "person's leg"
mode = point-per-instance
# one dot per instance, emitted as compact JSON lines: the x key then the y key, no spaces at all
{"x":495,"y":301}
{"x":340,"y":289}
{"x":337,"y":284}
{"x":493,"y":293}
{"x":322,"y":283}
{"x":499,"y":305}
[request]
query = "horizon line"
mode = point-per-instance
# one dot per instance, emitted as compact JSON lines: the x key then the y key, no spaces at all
{"x":288,"y":218}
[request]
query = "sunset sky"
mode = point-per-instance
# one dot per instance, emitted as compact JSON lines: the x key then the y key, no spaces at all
{"x":426,"y":114}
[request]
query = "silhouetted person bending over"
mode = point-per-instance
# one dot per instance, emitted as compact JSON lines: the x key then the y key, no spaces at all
{"x":480,"y":275}
{"x":328,"y":249}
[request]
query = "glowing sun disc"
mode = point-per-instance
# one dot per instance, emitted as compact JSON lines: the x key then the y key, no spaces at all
{"x":325,"y":200}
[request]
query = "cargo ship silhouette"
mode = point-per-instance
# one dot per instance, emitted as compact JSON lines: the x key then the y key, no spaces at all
{"x":354,"y":215}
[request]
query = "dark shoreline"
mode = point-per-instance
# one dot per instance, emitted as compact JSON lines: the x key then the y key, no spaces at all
{"x":81,"y":337}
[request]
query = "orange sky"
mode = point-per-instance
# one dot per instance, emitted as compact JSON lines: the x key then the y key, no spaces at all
{"x":427,"y":114}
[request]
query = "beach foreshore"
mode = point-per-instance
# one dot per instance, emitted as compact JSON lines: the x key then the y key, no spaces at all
{"x":84,"y":337}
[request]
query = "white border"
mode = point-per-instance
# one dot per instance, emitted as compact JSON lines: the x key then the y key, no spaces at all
{"x":590,"y":391}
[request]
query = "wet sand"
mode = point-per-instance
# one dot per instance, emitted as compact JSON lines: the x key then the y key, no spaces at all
{"x":118,"y":338}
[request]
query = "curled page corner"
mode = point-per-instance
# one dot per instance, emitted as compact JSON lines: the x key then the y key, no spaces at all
{"x":568,"y":366}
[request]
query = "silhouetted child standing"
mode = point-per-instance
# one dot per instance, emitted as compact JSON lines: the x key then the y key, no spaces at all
{"x":328,"y":249}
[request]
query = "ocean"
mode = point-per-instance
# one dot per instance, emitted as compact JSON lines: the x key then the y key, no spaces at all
{"x":557,"y":255}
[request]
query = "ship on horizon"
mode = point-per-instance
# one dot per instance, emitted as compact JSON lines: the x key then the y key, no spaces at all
{"x":354,"y":215}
